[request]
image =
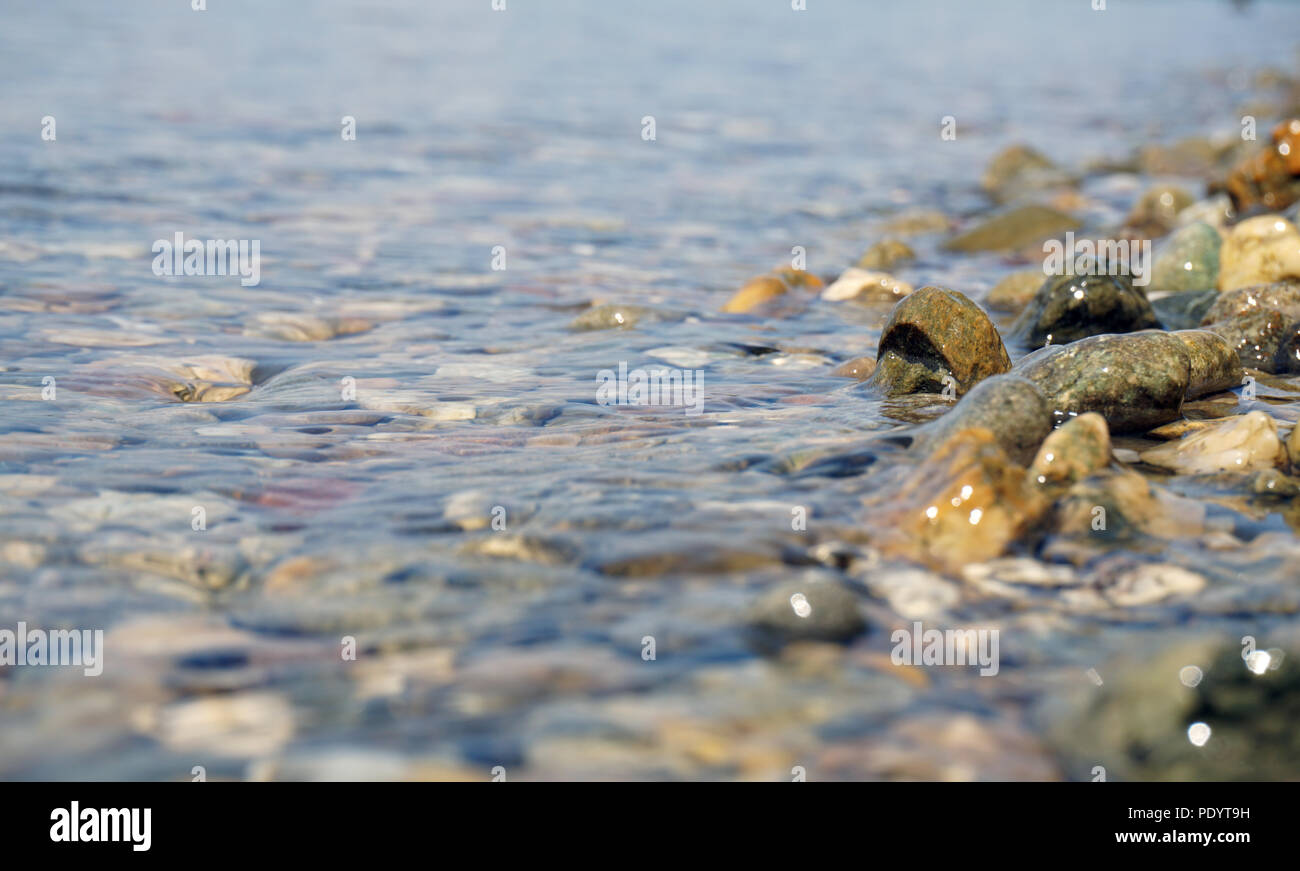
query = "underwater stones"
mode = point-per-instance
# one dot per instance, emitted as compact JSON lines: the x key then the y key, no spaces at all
{"x":1236,"y":444}
{"x":1135,"y":380}
{"x":1071,"y":307}
{"x":1189,"y":260}
{"x":861,"y":285}
{"x":816,"y":609}
{"x":1072,"y":452}
{"x":1008,"y":406}
{"x":1259,"y":251}
{"x":295,"y":327}
{"x":766,"y":288}
{"x":1015,"y":291}
{"x":964,"y":503}
{"x":610,"y":316}
{"x":886,"y":254}
{"x":1124,"y":505}
{"x":1016,"y":228}
{"x":1270,"y":178}
{"x":936,"y":334}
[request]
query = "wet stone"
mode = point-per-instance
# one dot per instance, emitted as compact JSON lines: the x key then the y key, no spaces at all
{"x":861,"y":285}
{"x":816,"y":609}
{"x":1008,"y":406}
{"x":1071,"y":307}
{"x":765,"y":289}
{"x":1015,"y":291}
{"x":1259,"y":251}
{"x":936,"y":338}
{"x":1243,"y":443}
{"x":966,"y":502}
{"x":886,"y":254}
{"x":1189,"y":260}
{"x":1135,"y":381}
{"x":1075,"y":450}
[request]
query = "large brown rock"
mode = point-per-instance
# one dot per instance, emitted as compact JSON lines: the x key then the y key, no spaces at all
{"x":933,"y":335}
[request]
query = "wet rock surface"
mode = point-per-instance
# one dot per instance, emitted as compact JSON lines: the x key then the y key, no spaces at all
{"x":937,"y":334}
{"x":1072,"y":307}
{"x":1135,"y":381}
{"x":1010,"y":407}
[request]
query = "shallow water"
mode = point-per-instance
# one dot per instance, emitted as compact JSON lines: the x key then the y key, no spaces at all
{"x":330,"y":517}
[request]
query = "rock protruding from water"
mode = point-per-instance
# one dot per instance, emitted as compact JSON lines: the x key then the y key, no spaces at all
{"x":886,"y":254}
{"x":934,"y":339}
{"x":1008,"y":406}
{"x":1136,"y":381}
{"x":1243,"y":443}
{"x":1262,"y":323}
{"x":1072,"y":307}
{"x":1075,"y":450}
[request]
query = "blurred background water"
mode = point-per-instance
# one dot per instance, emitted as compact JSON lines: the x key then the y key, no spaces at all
{"x":330,"y":517}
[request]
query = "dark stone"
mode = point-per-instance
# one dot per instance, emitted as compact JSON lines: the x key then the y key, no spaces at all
{"x":1071,"y":307}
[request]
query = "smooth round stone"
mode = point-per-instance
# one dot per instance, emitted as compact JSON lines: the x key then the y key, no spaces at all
{"x":1212,"y":364}
{"x":818,"y":609}
{"x":1010,"y":407}
{"x":1135,"y":381}
{"x":1189,"y":260}
{"x":886,"y":254}
{"x":1072,"y":307}
{"x":933,"y":334}
{"x":1259,"y":251}
{"x":1015,"y":291}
